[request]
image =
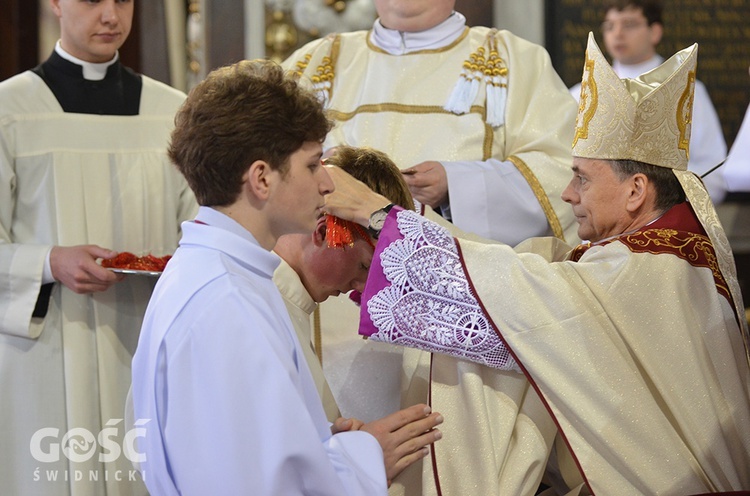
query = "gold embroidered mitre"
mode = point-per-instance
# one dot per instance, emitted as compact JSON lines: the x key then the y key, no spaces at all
{"x":645,"y":119}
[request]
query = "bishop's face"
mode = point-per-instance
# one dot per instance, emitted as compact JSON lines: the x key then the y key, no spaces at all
{"x":93,"y":30}
{"x":599,"y":199}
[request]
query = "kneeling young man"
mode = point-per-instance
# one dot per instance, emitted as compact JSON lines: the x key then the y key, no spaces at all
{"x":334,"y":259}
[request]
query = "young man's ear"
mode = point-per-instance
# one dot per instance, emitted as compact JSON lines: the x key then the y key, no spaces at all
{"x":657,"y":30}
{"x":257,"y":179}
{"x":55,"y":5}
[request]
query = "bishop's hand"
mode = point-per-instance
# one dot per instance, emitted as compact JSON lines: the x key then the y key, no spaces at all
{"x":351,"y":199}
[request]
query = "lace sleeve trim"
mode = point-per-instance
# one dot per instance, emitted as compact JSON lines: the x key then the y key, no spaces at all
{"x":429,"y":304}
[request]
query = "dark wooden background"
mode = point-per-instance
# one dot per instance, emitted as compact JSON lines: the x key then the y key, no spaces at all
{"x":720,"y":28}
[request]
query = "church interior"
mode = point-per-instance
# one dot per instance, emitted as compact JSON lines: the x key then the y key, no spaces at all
{"x":179,"y":41}
{"x":289,"y":246}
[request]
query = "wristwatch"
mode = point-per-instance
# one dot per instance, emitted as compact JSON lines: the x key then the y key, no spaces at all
{"x":377,"y":219}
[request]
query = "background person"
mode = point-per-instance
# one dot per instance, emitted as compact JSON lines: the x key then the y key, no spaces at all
{"x":495,"y":157}
{"x":83,"y":174}
{"x":737,"y":166}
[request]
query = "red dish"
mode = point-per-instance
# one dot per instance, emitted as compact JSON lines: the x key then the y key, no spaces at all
{"x":129,"y":261}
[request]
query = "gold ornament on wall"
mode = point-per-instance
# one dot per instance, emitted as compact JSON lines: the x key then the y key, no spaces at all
{"x":281,"y":36}
{"x":195,"y":44}
{"x":337,"y":5}
{"x":321,"y":17}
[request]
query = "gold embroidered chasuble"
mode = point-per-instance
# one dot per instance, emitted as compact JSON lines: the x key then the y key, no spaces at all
{"x":642,"y":365}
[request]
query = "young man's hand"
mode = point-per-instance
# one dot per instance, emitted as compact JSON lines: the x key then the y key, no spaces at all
{"x":403,"y":435}
{"x":342,"y":424}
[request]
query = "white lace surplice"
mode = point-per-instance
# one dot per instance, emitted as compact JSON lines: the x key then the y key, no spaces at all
{"x":420,"y":297}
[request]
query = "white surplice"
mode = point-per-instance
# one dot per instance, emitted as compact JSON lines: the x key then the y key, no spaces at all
{"x":222,"y":381}
{"x":737,"y":166}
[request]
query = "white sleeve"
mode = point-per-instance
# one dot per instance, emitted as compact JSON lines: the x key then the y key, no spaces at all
{"x":707,"y":145}
{"x":737,"y":167}
{"x":492,"y":199}
{"x":21,"y":266}
{"x":418,"y":295}
{"x":575,"y":92}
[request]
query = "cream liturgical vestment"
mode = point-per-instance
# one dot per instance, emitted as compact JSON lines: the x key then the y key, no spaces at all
{"x":395,"y":103}
{"x":504,"y":140}
{"x":300,"y":305}
{"x":71,"y":179}
{"x":635,"y":348}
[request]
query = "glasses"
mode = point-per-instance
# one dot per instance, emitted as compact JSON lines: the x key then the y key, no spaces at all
{"x":626,"y":25}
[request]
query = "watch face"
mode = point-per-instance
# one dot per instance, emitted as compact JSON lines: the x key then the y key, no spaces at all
{"x":377,"y":219}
